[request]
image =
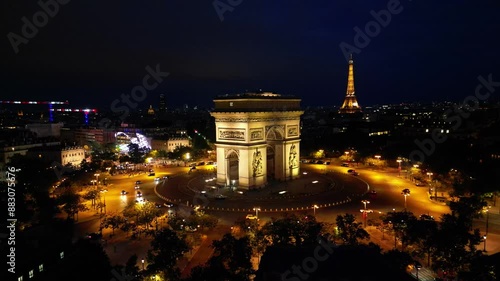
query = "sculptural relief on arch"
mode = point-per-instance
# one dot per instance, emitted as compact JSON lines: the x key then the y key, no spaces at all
{"x":258,"y":139}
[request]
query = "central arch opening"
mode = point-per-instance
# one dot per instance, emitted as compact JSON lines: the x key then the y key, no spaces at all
{"x":233,"y":169}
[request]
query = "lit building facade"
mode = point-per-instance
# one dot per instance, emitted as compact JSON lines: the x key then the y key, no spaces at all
{"x":257,"y":139}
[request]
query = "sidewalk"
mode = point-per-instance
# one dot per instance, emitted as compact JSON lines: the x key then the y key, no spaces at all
{"x":386,"y":242}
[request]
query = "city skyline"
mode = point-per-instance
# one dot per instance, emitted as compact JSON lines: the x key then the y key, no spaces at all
{"x":412,"y":52}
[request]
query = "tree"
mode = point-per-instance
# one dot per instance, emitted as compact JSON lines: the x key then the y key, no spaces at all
{"x":230,"y":261}
{"x":113,"y":222}
{"x":166,"y":248}
{"x":399,"y":259}
{"x":455,"y":245}
{"x":136,"y":153}
{"x":131,"y":268}
{"x":292,"y":230}
{"x":423,"y":233}
{"x":351,"y":231}
{"x":400,"y":222}
{"x":72,"y":203}
{"x":468,"y":208}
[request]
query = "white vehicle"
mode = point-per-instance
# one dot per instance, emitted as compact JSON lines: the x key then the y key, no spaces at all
{"x":157,"y":179}
{"x":251,"y":217}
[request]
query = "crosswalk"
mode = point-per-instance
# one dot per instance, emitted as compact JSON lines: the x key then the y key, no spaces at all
{"x":424,"y":274}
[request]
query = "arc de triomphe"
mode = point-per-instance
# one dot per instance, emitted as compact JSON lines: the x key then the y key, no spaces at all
{"x":258,"y":138}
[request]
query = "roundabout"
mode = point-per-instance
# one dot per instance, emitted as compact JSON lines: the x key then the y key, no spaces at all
{"x":313,"y":189}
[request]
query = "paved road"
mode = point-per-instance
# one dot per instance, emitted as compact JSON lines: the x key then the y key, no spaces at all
{"x":386,"y":183}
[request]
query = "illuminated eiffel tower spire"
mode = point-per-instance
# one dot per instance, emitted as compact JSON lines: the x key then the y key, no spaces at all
{"x":350,"y":104}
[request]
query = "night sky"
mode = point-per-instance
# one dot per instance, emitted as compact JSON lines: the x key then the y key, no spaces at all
{"x":90,"y":52}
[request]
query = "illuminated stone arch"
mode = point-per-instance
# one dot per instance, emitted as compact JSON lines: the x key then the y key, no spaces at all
{"x":256,"y":132}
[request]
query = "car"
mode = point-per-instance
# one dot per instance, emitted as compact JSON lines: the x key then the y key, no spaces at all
{"x":193,"y":168}
{"x":373,"y":192}
{"x":351,"y":171}
{"x":251,"y":217}
{"x":123,"y":192}
{"x":165,"y":177}
{"x":151,"y":174}
{"x":157,"y":179}
{"x":201,"y":163}
{"x":138,"y":182}
{"x":158,"y":205}
{"x":355,"y":173}
{"x":168,"y":205}
{"x":94,"y":235}
{"x":137,"y":187}
{"x":139,"y":194}
{"x":419,"y":183}
{"x":220,"y":197}
{"x":426,"y":217}
{"x":344,"y":164}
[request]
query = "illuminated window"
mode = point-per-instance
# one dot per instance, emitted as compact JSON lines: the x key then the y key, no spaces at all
{"x":40,"y":267}
{"x":20,"y":278}
{"x":426,"y":130}
{"x":231,"y":104}
{"x":31,"y":274}
{"x":61,"y":255}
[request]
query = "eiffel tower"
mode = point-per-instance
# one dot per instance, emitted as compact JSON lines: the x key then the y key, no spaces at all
{"x":350,"y":104}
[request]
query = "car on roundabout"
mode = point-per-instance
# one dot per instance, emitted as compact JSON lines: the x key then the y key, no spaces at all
{"x":123,"y":192}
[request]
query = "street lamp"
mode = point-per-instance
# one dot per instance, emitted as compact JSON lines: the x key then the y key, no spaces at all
{"x":142,"y":264}
{"x":405,"y":192}
{"x":314,"y":209}
{"x":430,"y":182}
{"x":484,"y":240}
{"x":486,"y":210}
{"x":399,"y":166}
{"x":104,"y":195}
{"x":256,"y":209}
{"x":364,"y":211}
{"x":418,"y":266}
{"x":97,"y":178}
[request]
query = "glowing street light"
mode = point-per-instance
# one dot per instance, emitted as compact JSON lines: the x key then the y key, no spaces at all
{"x":405,"y":192}
{"x":486,"y":210}
{"x":430,"y":182}
{"x":256,"y":209}
{"x":142,"y":264}
{"x":97,"y":178}
{"x":484,"y":240}
{"x":364,"y":211}
{"x":104,"y":195}
{"x":314,"y":209}
{"x":399,"y":166}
